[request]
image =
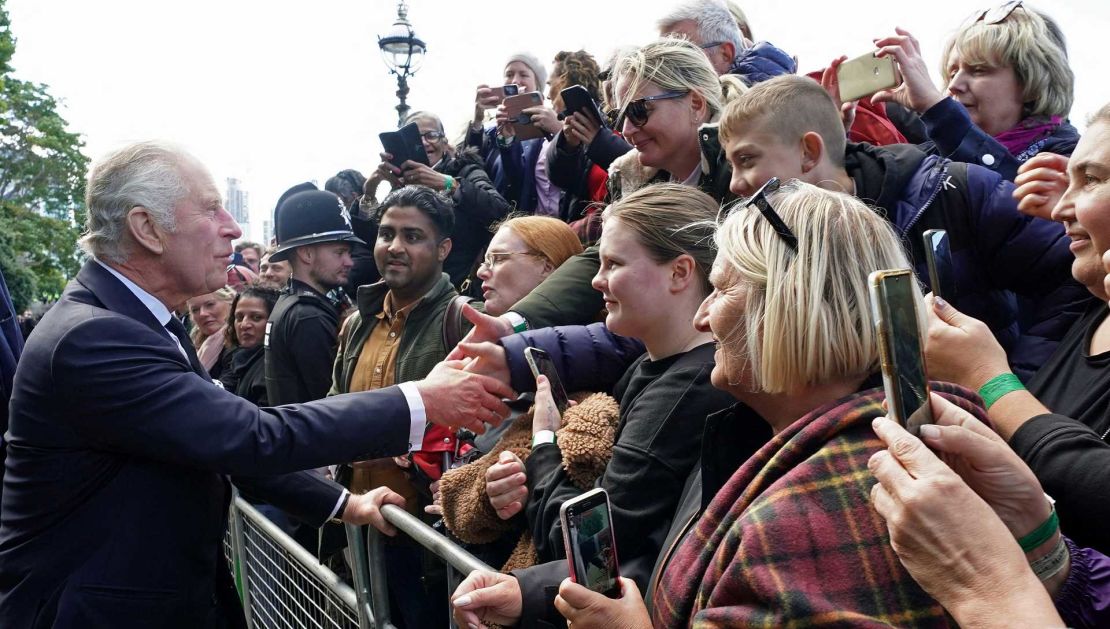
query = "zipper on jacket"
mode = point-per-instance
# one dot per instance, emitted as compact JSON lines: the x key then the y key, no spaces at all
{"x":932,"y":197}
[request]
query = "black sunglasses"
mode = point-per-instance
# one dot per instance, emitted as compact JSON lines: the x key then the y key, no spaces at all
{"x":998,"y":14}
{"x":759,"y":200}
{"x":637,"y":112}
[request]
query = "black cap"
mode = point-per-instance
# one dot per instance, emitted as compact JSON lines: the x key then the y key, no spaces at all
{"x":308,"y":217}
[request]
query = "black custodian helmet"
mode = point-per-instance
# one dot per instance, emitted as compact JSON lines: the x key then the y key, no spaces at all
{"x":308,"y":217}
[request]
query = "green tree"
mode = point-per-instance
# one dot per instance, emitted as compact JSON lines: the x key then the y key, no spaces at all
{"x":42,"y":185}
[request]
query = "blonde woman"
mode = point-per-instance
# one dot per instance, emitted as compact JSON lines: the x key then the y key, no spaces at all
{"x":209,"y":313}
{"x":788,"y":536}
{"x":1008,"y":87}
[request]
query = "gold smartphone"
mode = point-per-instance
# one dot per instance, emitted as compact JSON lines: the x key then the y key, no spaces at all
{"x":902,"y":354}
{"x":865,"y":75}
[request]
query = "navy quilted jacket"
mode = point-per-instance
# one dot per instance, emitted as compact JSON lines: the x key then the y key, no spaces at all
{"x":1012,"y":271}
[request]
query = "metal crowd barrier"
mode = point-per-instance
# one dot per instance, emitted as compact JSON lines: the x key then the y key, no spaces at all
{"x":283,"y":586}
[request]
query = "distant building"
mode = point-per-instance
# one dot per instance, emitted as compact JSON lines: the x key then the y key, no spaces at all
{"x":267,"y":232}
{"x":237,"y":203}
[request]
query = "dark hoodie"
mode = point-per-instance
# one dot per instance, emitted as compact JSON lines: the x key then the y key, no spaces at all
{"x":478,"y":206}
{"x":998,"y":253}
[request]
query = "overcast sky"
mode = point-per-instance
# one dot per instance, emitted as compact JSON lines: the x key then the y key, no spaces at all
{"x":278,"y":92}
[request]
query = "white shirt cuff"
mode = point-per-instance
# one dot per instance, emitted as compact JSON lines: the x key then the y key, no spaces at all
{"x":518,"y":322}
{"x":418,"y":418}
{"x":335,"y":514}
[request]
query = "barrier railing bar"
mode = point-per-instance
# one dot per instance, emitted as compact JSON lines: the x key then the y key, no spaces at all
{"x":239,"y":548}
{"x":429,"y":538}
{"x":360,"y":570}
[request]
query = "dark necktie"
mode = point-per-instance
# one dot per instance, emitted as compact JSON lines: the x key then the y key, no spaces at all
{"x":178,"y":330}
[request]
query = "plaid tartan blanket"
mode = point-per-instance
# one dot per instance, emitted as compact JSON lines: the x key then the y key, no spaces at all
{"x":791,"y":540}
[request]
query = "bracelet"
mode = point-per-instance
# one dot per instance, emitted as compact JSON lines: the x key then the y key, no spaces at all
{"x":542,"y":437}
{"x":448,"y":183}
{"x":999,"y":386}
{"x":518,"y":322}
{"x":1042,"y":533}
{"x":1051,"y":564}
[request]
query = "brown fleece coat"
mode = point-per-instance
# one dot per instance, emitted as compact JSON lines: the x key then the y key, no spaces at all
{"x":586,"y":441}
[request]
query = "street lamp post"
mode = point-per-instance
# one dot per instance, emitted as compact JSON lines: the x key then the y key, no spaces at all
{"x":403,"y":53}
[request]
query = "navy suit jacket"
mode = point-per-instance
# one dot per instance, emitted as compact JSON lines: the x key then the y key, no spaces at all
{"x":115,"y":500}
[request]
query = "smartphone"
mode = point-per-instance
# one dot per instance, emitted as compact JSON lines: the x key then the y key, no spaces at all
{"x":938,"y":257}
{"x":541,"y":364}
{"x":505,"y":90}
{"x":522,"y":122}
{"x":576,"y":98}
{"x":404,"y":144}
{"x":591,"y":546}
{"x":865,"y":75}
{"x":901,"y":351}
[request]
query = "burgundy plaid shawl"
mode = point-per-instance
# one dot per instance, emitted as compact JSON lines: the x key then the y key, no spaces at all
{"x":792,"y":540}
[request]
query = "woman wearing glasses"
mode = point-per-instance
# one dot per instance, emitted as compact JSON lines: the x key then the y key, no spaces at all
{"x":523,"y":252}
{"x":461,"y":176}
{"x":1009,"y":90}
{"x":777,"y":529}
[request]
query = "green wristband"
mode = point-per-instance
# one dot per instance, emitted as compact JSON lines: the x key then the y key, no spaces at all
{"x":998,"y":386}
{"x":1042,"y":533}
{"x":448,"y":183}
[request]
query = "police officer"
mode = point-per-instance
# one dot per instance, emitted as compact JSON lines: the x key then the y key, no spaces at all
{"x":314,"y":234}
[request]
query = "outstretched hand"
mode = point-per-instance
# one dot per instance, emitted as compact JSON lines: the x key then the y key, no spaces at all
{"x":486,"y":328}
{"x":460,"y":399}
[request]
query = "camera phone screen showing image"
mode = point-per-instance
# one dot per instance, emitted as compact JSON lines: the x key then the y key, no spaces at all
{"x":905,"y":344}
{"x":594,"y":556}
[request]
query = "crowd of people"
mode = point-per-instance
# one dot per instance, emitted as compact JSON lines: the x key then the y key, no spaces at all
{"x":694,"y":258}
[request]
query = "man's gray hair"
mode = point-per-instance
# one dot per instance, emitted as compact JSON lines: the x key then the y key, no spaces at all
{"x":715,"y":22}
{"x":147,"y":174}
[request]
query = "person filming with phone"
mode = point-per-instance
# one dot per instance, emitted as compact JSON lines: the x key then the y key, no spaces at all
{"x":458,"y":174}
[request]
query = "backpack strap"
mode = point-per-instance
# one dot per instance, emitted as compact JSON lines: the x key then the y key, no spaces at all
{"x":453,"y":321}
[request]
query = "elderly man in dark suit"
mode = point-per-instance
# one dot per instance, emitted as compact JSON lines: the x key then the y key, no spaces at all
{"x":115,"y":499}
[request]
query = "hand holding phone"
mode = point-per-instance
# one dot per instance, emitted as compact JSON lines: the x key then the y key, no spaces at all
{"x":590,"y":544}
{"x":902,"y":354}
{"x":404,"y":144}
{"x":522,"y":122}
{"x":541,"y":364}
{"x":865,"y":75}
{"x":938,"y":257}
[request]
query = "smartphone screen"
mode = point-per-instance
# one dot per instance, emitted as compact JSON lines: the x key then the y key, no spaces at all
{"x":903,"y":355}
{"x":591,"y":547}
{"x":541,"y":364}
{"x":938,"y":256}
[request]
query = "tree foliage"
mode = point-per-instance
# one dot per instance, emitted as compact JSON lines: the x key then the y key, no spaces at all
{"x":42,"y":185}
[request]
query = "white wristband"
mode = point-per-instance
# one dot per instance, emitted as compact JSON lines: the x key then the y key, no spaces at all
{"x":543,"y":436}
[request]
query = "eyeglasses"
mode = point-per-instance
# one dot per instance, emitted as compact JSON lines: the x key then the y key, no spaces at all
{"x":493,"y":259}
{"x":759,"y":200}
{"x":997,"y":14}
{"x":712,"y":44}
{"x":432,"y":136}
{"x":637,"y":112}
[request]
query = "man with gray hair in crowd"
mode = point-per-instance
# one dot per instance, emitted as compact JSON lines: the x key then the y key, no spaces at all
{"x":115,"y":500}
{"x":710,"y":25}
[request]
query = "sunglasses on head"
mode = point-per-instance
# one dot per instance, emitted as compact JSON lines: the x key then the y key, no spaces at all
{"x":995,"y":15}
{"x":637,"y":111}
{"x":759,"y":200}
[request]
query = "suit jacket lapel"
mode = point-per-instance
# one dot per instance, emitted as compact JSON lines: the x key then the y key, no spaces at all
{"x":119,"y":299}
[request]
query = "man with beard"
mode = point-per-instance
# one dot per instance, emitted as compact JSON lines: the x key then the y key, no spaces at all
{"x":398,"y":335}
